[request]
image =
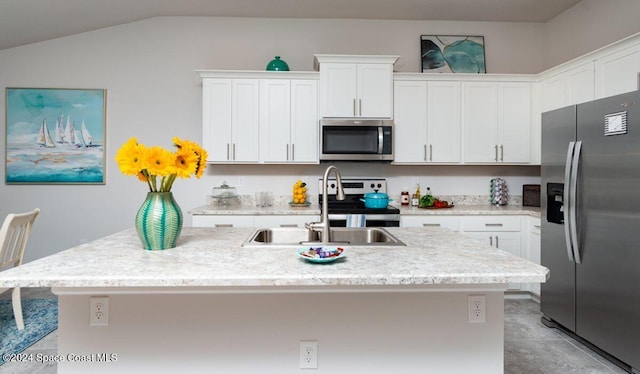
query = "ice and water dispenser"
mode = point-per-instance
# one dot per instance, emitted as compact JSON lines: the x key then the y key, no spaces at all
{"x":555,"y":203}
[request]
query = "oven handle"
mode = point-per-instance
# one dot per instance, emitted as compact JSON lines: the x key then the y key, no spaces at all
{"x":369,"y":217}
{"x":380,"y":140}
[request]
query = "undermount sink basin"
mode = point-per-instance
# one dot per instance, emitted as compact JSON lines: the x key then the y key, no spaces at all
{"x":296,"y":236}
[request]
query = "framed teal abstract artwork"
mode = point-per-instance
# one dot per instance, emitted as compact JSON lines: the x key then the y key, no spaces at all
{"x":55,"y":136}
{"x":452,"y":54}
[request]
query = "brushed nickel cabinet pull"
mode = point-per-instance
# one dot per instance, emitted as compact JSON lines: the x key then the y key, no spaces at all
{"x":288,"y":225}
{"x":224,"y":224}
{"x":354,"y":107}
{"x":287,"y":152}
{"x":496,"y":147}
{"x":494,"y":224}
{"x":497,"y":243}
{"x":234,"y":151}
{"x":430,"y":152}
{"x":502,"y":153}
{"x":227,"y":151}
{"x":425,"y":152}
{"x":491,"y":241}
{"x":360,"y":106}
{"x":431,"y":225}
{"x":293,"y":152}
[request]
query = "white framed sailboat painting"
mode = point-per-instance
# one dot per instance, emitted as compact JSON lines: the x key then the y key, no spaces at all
{"x":55,"y":136}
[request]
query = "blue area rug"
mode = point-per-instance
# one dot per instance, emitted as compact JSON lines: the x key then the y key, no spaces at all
{"x":40,"y":318}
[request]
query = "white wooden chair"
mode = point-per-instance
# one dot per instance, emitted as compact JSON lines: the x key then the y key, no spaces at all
{"x":14,"y":235}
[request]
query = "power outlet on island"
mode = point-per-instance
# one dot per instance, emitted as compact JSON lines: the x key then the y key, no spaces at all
{"x":308,"y":354}
{"x":99,"y":311}
{"x":477,"y":309}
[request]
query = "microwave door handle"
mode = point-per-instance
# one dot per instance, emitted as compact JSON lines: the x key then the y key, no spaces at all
{"x":567,"y":201}
{"x":573,"y":206}
{"x":380,"y":140}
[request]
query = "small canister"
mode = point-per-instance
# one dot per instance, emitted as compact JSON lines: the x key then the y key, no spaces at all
{"x":404,"y":198}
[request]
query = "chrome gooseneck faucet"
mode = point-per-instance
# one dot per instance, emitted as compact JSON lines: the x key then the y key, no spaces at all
{"x":324,"y":223}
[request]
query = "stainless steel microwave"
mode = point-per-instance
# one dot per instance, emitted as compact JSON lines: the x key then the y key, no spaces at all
{"x":356,"y":140}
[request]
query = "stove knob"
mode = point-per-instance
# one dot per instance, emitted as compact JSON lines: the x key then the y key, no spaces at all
{"x":333,"y":185}
{"x":372,"y":185}
{"x":379,"y":185}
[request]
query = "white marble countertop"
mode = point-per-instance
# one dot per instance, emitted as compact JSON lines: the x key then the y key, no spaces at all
{"x":314,"y":209}
{"x":213,"y":257}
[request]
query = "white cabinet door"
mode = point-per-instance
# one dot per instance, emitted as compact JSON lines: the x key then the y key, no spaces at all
{"x":338,"y":89}
{"x":275,"y":121}
{"x":375,"y":90}
{"x":245,"y":115}
{"x":443,"y":122}
{"x":410,"y":122}
{"x":514,"y":122}
{"x":304,"y":121}
{"x":480,"y":118}
{"x":448,"y":222}
{"x":533,"y":254}
{"x":581,"y":83}
{"x":216,"y":119}
{"x":222,"y":221}
{"x":554,"y":93}
{"x":618,"y":72}
{"x":284,"y":221}
{"x":356,"y":90}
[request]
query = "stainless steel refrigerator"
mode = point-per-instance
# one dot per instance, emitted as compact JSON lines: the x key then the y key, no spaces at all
{"x":590,"y":237}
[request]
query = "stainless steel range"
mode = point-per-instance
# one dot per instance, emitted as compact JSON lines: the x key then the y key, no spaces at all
{"x":354,"y":190}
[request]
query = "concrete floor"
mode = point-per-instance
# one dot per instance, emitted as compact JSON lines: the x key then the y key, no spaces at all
{"x":529,"y":348}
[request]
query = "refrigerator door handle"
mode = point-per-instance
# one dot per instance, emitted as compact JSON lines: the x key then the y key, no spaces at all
{"x":566,"y":200}
{"x":573,"y":209}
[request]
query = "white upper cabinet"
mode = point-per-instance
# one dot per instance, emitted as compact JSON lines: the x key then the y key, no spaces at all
{"x":410,"y":122}
{"x":230,"y":119}
{"x":427,"y":122}
{"x":573,"y":86}
{"x":356,"y":86}
{"x":288,"y":121}
{"x":618,"y":72}
{"x":497,"y":121}
{"x":514,"y":122}
{"x":480,"y":121}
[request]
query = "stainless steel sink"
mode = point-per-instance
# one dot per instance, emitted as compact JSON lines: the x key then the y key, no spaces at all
{"x":296,"y":236}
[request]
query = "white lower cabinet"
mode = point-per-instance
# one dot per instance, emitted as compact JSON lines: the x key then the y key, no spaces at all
{"x":448,"y":222}
{"x":501,"y":232}
{"x":284,"y":221}
{"x":223,"y":220}
{"x":533,"y":251}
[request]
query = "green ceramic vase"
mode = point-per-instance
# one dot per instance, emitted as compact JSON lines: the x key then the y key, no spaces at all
{"x":159,"y":221}
{"x":277,"y":64}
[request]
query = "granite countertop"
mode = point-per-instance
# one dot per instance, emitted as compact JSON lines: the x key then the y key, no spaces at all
{"x":314,"y":209}
{"x":213,"y":257}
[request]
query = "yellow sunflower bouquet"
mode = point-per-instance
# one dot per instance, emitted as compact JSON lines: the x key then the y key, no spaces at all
{"x":159,"y":167}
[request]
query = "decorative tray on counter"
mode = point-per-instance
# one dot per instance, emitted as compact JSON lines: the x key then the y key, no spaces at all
{"x":298,"y":205}
{"x":321,"y":255}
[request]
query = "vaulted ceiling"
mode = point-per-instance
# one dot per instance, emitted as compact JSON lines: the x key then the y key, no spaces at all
{"x":29,"y":21}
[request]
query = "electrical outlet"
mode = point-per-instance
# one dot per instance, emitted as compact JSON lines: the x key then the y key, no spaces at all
{"x":308,"y":354}
{"x":477,"y":308}
{"x":99,"y":311}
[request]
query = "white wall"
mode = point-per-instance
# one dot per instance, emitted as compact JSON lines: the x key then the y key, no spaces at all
{"x":589,"y":25}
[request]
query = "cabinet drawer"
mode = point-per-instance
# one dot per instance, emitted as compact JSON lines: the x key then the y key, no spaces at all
{"x":222,"y":221}
{"x":491,"y":223}
{"x":451,"y":223}
{"x":534,"y":225}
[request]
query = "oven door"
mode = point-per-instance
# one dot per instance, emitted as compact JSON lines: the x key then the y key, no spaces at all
{"x":372,"y":220}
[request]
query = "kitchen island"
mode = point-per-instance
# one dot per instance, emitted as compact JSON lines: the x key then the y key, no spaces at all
{"x":210,"y":305}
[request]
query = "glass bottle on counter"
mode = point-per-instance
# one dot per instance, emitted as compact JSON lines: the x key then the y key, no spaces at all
{"x":415,"y":199}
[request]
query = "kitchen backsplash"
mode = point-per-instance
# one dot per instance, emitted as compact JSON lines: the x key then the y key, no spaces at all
{"x":279,"y":200}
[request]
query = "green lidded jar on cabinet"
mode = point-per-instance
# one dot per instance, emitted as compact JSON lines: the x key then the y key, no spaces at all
{"x":277,"y":65}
